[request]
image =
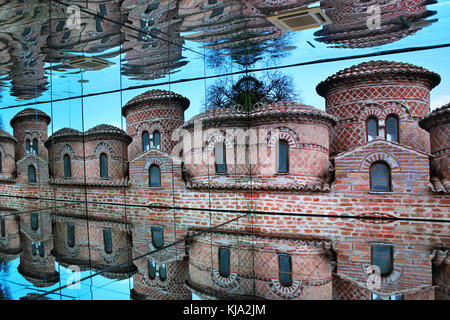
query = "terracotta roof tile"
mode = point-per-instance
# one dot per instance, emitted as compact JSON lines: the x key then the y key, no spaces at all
{"x":6,"y":135}
{"x":30,"y":112}
{"x":376,"y":69}
{"x":154,"y":95}
{"x":439,"y":186}
{"x":437,"y":117}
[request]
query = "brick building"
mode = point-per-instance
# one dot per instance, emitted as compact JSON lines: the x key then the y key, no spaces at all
{"x":335,"y":192}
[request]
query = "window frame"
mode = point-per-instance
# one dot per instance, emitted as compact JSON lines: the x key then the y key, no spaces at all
{"x":105,"y":166}
{"x":32,"y":181}
{"x":107,"y":234}
{"x":156,"y":132}
{"x":391,"y":257}
{"x":389,"y":176}
{"x":397,"y":119}
{"x":69,"y":169}
{"x":145,"y":132}
{"x":150,"y":176}
{"x":377,"y":123}
{"x":280,"y":272}
{"x":224,"y":164}
{"x":71,"y":240}
{"x":228,"y":262}
{"x":283,"y":142}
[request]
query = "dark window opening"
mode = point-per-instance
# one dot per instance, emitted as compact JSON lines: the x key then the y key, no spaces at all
{"x":380,"y":177}
{"x":154,"y":176}
{"x":145,"y":141}
{"x":372,"y":128}
{"x":162,"y":272}
{"x":28,"y":146}
{"x":283,"y":156}
{"x":34,"y":219}
{"x":285,"y":270}
{"x":103,"y":166}
{"x":151,"y":269}
{"x":31,"y":174}
{"x":67,"y":166}
{"x":107,"y":241}
{"x":70,"y":235}
{"x":41,"y":248}
{"x":220,"y":157}
{"x":382,"y":256}
{"x":224,"y":262}
{"x":35,"y":146}
{"x":156,"y":140}
{"x":392,"y":128}
{"x":2,"y":227}
{"x":157,"y":237}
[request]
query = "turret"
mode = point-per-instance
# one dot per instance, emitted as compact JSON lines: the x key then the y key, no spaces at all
{"x":378,"y":99}
{"x":151,"y":118}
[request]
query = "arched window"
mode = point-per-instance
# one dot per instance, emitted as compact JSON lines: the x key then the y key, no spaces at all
{"x":107,"y":241}
{"x":224,"y":262}
{"x":70,"y":235}
{"x":34,"y":219}
{"x":283,"y":156}
{"x":28,"y":146}
{"x":0,"y":162}
{"x":31,"y":174}
{"x":103,"y":166}
{"x":145,"y":141}
{"x":67,"y":167}
{"x":35,"y":146}
{"x":154,"y":176}
{"x":220,"y":157}
{"x":380,"y":177}
{"x":151,"y":269}
{"x":372,"y":128}
{"x":157,"y":237}
{"x":156,"y":139}
{"x":392,"y":128}
{"x":285,"y":270}
{"x":2,"y":226}
{"x":162,"y":272}
{"x":382,"y":256}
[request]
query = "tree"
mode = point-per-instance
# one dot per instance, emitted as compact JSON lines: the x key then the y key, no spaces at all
{"x":249,"y":90}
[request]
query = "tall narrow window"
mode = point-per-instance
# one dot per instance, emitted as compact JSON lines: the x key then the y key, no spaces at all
{"x":154,"y":176}
{"x":285,"y":270}
{"x":151,"y":269}
{"x":162,"y":272}
{"x":382,"y":257}
{"x":283,"y":156}
{"x":34,"y":219}
{"x":31,"y":174}
{"x":372,"y":128}
{"x":28,"y":146}
{"x":380,"y":177}
{"x":35,"y":146}
{"x":41,"y":248}
{"x":107,"y":241}
{"x":1,"y":163}
{"x":157,"y":237}
{"x":67,"y":167}
{"x":224,"y":262}
{"x":2,"y":226}
{"x":70,"y":235}
{"x":33,"y":248}
{"x":220,"y":157}
{"x":392,"y":128}
{"x":145,"y":141}
{"x":156,"y":140}
{"x":103,"y":166}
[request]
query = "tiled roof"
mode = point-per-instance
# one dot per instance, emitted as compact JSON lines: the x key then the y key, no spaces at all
{"x":6,"y":135}
{"x":101,"y":129}
{"x":277,"y":110}
{"x":30,"y":112}
{"x":376,"y":69}
{"x":439,"y":186}
{"x":438,"y":116}
{"x":155,"y":95}
{"x":91,"y":183}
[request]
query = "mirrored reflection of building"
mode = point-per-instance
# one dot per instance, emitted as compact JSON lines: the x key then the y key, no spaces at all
{"x":9,"y":234}
{"x":226,"y":265}
{"x":37,"y":264}
{"x":162,"y":273}
{"x":92,"y":243}
{"x":365,"y":24}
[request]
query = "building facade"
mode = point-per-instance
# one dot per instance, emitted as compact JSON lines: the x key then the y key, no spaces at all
{"x":362,"y":187}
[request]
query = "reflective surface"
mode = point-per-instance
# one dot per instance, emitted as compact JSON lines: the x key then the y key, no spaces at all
{"x":148,"y":226}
